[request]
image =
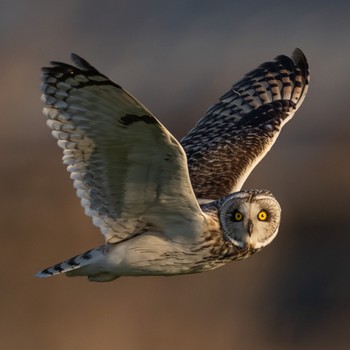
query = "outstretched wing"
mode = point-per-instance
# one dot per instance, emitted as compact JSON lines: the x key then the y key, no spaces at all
{"x":128,"y":170}
{"x":236,"y":133}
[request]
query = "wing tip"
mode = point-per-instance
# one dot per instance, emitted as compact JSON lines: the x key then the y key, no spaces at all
{"x":81,"y":63}
{"x":300,"y":60}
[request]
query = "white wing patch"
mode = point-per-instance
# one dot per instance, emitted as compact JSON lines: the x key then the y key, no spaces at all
{"x":128,"y":170}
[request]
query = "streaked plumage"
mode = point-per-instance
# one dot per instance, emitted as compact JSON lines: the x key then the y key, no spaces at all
{"x":145,"y":195}
{"x":236,"y":133}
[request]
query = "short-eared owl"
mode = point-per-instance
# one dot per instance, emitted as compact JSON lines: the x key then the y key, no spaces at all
{"x":166,"y":207}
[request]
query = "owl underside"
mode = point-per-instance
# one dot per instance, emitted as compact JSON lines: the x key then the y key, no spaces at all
{"x":150,"y":255}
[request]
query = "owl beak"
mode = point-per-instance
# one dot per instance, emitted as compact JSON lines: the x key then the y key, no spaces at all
{"x":250,"y":227}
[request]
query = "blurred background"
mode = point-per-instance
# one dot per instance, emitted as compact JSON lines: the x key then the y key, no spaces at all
{"x":178,"y":58}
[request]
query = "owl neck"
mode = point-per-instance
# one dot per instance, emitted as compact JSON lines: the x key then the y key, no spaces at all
{"x":220,"y":248}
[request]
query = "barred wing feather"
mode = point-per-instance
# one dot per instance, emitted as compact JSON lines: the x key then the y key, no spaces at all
{"x":236,"y":133}
{"x":128,"y":170}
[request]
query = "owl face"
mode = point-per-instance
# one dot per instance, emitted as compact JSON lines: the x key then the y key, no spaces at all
{"x":250,"y":219}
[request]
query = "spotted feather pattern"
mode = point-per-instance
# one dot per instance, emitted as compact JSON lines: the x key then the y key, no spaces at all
{"x":236,"y":133}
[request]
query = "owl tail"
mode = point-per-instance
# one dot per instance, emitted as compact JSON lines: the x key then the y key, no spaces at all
{"x":88,"y":264}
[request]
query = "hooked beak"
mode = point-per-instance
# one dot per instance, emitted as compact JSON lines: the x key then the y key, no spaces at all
{"x":250,"y":227}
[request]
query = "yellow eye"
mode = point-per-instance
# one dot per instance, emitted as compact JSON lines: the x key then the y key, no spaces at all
{"x":262,"y":216}
{"x":237,"y":216}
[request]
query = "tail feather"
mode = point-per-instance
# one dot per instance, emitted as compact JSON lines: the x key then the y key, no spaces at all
{"x":74,"y":263}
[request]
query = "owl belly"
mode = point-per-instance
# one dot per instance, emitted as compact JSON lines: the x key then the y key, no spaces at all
{"x":152,"y":255}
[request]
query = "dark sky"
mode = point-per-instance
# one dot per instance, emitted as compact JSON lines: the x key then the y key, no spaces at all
{"x":178,"y":58}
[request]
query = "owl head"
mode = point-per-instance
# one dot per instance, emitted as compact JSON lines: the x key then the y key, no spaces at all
{"x":250,"y":219}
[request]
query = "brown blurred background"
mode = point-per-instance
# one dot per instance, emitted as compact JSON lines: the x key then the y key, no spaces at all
{"x":178,"y":57}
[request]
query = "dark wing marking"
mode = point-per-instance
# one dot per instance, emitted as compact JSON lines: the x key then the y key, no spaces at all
{"x":236,"y":133}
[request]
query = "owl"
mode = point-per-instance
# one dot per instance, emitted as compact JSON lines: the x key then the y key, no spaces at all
{"x":164,"y":207}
